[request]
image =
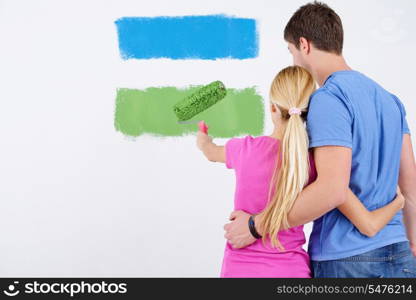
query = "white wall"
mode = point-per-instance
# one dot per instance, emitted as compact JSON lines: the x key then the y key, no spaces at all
{"x":78,"y":198}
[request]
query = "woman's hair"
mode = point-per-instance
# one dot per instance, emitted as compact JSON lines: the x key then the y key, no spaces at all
{"x":291,"y":88}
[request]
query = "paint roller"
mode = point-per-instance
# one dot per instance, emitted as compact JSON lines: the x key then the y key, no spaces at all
{"x":197,"y":102}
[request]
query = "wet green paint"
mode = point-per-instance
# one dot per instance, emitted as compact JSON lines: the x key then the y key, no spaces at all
{"x":150,"y":111}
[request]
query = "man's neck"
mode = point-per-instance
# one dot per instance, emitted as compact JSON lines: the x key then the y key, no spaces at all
{"x":326,"y":64}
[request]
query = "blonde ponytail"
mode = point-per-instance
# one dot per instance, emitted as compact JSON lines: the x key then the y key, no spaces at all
{"x":290,"y":88}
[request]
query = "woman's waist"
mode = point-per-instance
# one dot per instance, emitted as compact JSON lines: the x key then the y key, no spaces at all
{"x":291,"y":243}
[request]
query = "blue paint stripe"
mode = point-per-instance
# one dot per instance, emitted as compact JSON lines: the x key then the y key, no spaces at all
{"x":189,"y":37}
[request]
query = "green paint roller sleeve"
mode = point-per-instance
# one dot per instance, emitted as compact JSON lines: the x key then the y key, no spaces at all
{"x":200,"y":100}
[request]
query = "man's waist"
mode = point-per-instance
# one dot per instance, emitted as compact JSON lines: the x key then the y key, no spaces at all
{"x":340,"y":242}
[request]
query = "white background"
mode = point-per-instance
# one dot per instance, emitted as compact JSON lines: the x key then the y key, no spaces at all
{"x":78,"y":198}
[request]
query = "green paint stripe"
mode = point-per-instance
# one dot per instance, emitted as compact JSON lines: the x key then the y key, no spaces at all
{"x":150,"y":111}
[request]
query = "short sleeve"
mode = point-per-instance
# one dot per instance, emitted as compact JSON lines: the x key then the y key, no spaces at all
{"x":329,"y":121}
{"x":405,"y":127}
{"x":232,"y":152}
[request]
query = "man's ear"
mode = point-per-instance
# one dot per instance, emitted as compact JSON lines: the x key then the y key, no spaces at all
{"x":304,"y":45}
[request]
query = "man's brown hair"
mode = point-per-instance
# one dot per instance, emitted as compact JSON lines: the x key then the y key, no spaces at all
{"x":317,"y":23}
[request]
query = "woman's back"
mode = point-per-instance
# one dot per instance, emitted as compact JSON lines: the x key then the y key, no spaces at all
{"x":254,"y":159}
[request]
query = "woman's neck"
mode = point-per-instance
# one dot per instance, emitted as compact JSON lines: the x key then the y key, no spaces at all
{"x":278,"y":132}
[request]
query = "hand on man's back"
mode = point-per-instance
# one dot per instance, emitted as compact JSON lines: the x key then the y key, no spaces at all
{"x":413,"y":248}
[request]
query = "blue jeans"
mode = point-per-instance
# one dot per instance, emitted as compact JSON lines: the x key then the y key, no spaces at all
{"x":395,"y":260}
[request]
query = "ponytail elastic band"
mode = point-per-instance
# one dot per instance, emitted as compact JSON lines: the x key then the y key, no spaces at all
{"x":295,"y":111}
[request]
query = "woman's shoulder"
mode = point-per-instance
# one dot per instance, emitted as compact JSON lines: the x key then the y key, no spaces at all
{"x":263,"y":138}
{"x":254,"y":140}
{"x":251,"y":142}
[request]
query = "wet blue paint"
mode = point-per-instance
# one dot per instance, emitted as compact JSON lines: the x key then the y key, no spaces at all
{"x":189,"y":37}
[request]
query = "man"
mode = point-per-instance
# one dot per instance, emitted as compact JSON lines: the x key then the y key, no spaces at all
{"x":360,"y":139}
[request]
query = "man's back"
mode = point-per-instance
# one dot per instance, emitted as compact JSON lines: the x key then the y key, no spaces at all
{"x":353,"y":111}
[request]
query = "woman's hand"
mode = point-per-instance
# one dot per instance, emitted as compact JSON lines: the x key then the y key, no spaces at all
{"x":202,"y":139}
{"x":413,"y":248}
{"x":400,"y":198}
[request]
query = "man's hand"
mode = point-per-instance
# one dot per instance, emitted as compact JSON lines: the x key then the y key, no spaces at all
{"x":237,"y":232}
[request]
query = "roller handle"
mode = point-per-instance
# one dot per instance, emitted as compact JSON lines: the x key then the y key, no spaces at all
{"x":203,"y":127}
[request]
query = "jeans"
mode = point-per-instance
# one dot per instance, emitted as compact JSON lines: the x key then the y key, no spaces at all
{"x":395,"y":260}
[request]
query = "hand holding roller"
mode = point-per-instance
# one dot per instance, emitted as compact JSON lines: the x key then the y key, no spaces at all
{"x":203,"y":127}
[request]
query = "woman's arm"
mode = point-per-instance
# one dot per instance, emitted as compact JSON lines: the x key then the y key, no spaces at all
{"x":212,"y":151}
{"x":368,"y":222}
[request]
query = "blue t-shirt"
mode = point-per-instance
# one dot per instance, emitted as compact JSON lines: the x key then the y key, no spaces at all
{"x":351,"y":110}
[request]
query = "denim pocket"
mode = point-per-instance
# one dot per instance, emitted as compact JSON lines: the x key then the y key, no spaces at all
{"x":316,"y":269}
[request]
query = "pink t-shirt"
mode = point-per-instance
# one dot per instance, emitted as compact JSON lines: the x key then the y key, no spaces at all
{"x":253,"y":159}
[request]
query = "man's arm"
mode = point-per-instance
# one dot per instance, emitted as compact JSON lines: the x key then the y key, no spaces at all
{"x":329,"y":190}
{"x":407,"y":183}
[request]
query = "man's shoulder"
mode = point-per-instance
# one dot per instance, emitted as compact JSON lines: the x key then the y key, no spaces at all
{"x":323,"y":95}
{"x":351,"y":82}
{"x":323,"y":91}
{"x":345,"y":86}
{"x":326,"y":100}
